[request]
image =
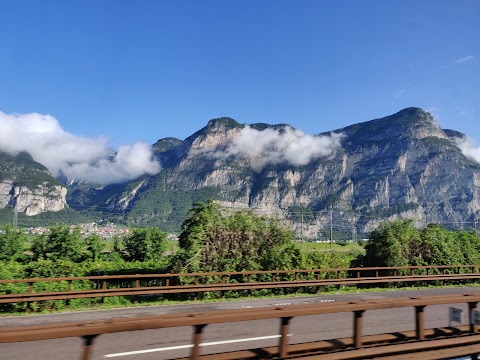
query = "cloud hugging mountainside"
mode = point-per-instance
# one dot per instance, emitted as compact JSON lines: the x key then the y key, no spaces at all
{"x":71,"y":156}
{"x":403,"y":165}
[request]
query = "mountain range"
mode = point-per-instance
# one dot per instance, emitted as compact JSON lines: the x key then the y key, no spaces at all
{"x":399,"y":166}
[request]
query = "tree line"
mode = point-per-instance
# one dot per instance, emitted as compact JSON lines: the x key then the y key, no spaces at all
{"x":214,"y":239}
{"x":399,"y":243}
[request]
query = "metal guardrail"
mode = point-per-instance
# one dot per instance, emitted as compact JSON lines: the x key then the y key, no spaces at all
{"x":198,"y":276}
{"x":454,"y":341}
{"x":156,"y":284}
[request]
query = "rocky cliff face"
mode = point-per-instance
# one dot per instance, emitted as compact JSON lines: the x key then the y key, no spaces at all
{"x":27,"y":186}
{"x":32,"y":200}
{"x":400,"y":166}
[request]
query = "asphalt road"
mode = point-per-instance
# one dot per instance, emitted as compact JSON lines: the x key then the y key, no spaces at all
{"x":176,"y":342}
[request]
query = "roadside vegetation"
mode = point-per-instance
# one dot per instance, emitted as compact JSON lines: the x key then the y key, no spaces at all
{"x":399,"y":243}
{"x":212,"y":239}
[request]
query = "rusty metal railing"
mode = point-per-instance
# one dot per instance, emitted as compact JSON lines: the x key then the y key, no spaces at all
{"x":464,"y":336}
{"x":156,"y":284}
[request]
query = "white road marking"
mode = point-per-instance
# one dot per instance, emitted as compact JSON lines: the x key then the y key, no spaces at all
{"x":303,"y":302}
{"x":179,"y":347}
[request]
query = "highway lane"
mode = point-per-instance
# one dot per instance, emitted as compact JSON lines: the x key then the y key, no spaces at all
{"x":174,"y":342}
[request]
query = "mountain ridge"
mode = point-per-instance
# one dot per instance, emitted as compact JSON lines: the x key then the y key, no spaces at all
{"x":400,"y":166}
{"x":372,"y":173}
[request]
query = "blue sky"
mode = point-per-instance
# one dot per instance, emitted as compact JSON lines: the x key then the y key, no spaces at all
{"x":143,"y":70}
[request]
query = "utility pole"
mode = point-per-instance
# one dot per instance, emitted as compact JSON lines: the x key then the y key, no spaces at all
{"x":331,"y":230}
{"x":301,"y":229}
{"x":475,"y":226}
{"x":353,"y":229}
{"x":15,"y":217}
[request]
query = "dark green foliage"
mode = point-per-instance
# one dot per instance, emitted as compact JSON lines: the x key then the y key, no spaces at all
{"x":166,"y":144}
{"x":238,"y":241}
{"x":389,"y":245}
{"x":361,"y":243}
{"x":24,"y":171}
{"x":95,"y":246}
{"x":11,"y":243}
{"x":399,"y":243}
{"x":229,"y":122}
{"x":60,"y":243}
{"x":145,"y":244}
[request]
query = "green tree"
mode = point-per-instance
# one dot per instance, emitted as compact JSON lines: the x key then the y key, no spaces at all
{"x":60,"y":243}
{"x":398,"y":243}
{"x":392,"y":244}
{"x":94,"y":245}
{"x":439,"y":246}
{"x":144,"y":244}
{"x":12,"y":242}
{"x":215,"y":240}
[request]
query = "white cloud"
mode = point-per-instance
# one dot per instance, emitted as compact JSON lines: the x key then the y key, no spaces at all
{"x":469,"y":149}
{"x":76,"y":157}
{"x":272,"y":146}
{"x":465,"y":59}
{"x":434,"y":111}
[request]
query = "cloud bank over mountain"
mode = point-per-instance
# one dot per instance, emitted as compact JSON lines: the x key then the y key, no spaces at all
{"x":469,"y":149}
{"x":75,"y":157}
{"x":275,"y":146}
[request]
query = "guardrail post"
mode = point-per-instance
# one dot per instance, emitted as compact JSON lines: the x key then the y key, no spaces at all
{"x":420,"y":322}
{"x":87,"y":346}
{"x":471,"y":305}
{"x":30,"y":290}
{"x":137,"y":285}
{"x":104,"y":287}
{"x":357,"y":328}
{"x":283,"y":346}
{"x":69,"y":288}
{"x":197,"y":339}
